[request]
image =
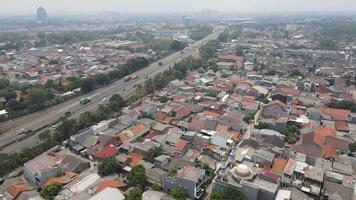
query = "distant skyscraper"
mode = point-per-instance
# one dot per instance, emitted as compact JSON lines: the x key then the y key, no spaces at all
{"x":41,"y":14}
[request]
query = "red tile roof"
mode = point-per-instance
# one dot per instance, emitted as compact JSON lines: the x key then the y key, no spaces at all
{"x":248,"y":99}
{"x":181,"y":145}
{"x":321,"y":133}
{"x":337,"y":114}
{"x":138,"y":128}
{"x":279,"y":165}
{"x":16,"y":189}
{"x":196,"y":124}
{"x":307,"y":150}
{"x":231,"y":58}
{"x":135,"y":158}
{"x":266,"y":172}
{"x":106,"y":151}
{"x":159,"y":116}
{"x":329,"y":151}
{"x":123,"y":137}
{"x":211,"y":114}
{"x":54,"y":180}
{"x":342,"y":126}
{"x":222,"y":128}
{"x":337,"y":143}
{"x":109,"y":183}
{"x":182,"y":112}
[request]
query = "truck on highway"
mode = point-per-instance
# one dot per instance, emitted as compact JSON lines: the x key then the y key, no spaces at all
{"x":84,"y":101}
{"x":127,"y":78}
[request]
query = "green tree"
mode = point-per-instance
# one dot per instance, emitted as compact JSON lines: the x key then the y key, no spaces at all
{"x":8,"y":93}
{"x":352,"y":147}
{"x":4,"y":83}
{"x":247,"y":118}
{"x":134,"y":194}
{"x":67,"y":127}
{"x":347,"y":104}
{"x":177,"y":46}
{"x":87,"y":84}
{"x":14,"y":105}
{"x":50,"y":191}
{"x":35,"y":98}
{"x":229,"y":193}
{"x":224,"y":36}
{"x":137,"y":177}
{"x":156,"y":187}
{"x":153,"y":153}
{"x":262,"y":125}
{"x":116,"y":102}
{"x":108,"y":166}
{"x":178,"y":193}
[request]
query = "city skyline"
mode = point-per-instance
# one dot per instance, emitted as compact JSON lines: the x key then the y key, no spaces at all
{"x":20,"y":7}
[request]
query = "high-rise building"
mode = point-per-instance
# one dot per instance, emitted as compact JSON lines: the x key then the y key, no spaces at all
{"x":41,"y":14}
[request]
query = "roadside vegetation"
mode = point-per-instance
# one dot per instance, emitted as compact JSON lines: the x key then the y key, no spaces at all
{"x":70,"y":127}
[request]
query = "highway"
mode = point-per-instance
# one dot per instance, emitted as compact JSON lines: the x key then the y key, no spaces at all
{"x":51,"y":115}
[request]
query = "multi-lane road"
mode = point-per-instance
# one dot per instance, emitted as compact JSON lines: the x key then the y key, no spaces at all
{"x":51,"y":115}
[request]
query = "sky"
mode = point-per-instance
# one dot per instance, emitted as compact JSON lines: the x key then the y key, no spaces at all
{"x":57,"y":7}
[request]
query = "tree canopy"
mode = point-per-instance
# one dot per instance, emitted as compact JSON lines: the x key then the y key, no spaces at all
{"x":178,"y":193}
{"x":229,"y":193}
{"x":134,"y":194}
{"x":137,"y":176}
{"x":108,"y":166}
{"x":50,"y":191}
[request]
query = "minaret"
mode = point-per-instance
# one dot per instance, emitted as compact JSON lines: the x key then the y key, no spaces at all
{"x":223,"y":166}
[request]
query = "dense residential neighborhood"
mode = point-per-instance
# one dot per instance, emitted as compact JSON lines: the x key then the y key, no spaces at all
{"x":265,"y":111}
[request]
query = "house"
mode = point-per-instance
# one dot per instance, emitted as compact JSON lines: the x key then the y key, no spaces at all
{"x":324,"y":141}
{"x":109,"y":193}
{"x":129,"y":118}
{"x":275,"y":110}
{"x":263,"y":156}
{"x":182,"y":147}
{"x":38,"y":170}
{"x":222,"y":140}
{"x":338,"y":185}
{"x":336,"y":114}
{"x":189,"y":178}
{"x":214,"y":152}
{"x":106,"y":152}
{"x":15,"y":190}
{"x":110,"y":183}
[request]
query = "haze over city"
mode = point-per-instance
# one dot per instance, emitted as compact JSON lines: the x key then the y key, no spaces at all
{"x":178,"y":99}
{"x":23,"y":7}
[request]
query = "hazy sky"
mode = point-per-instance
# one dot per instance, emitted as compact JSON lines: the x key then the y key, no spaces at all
{"x":25,"y":7}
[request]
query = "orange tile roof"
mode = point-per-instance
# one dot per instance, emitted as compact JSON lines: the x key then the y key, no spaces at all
{"x":329,"y":151}
{"x":336,"y":114}
{"x":235,"y":135}
{"x":71,"y":175}
{"x":54,"y":180}
{"x":137,"y":128}
{"x":109,"y":183}
{"x":248,"y":99}
{"x":181,"y":145}
{"x":16,"y":189}
{"x":325,"y":131}
{"x":212,"y":114}
{"x":135,"y":158}
{"x":231,"y":57}
{"x":341,"y":126}
{"x":279,"y":164}
{"x":276,"y":101}
{"x":123,"y":137}
{"x":222,"y":128}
